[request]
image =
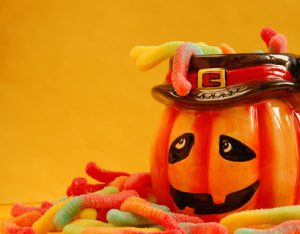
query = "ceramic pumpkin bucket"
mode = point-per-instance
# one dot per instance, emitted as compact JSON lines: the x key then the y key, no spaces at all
{"x":232,"y":143}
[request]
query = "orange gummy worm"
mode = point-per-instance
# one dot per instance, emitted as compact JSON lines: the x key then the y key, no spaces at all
{"x":121,"y":230}
{"x":119,"y":182}
{"x":142,"y":207}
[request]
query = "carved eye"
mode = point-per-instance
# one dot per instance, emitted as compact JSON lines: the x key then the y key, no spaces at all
{"x":234,"y":150}
{"x":181,"y":147}
{"x":181,"y":143}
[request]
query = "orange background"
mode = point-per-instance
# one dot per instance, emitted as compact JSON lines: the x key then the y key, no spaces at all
{"x":69,"y":93}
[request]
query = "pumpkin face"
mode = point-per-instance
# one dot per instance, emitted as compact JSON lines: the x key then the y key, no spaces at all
{"x":220,"y":160}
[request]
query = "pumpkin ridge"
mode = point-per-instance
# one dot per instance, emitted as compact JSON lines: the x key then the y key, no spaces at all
{"x":296,"y":116}
{"x":160,"y":178}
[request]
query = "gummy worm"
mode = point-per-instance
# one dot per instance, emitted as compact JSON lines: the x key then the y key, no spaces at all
{"x":119,"y":182}
{"x":90,"y":223}
{"x":276,"y":43}
{"x":123,"y":218}
{"x":27,"y":219}
{"x":141,"y":207}
{"x":80,"y":186}
{"x":45,"y":224}
{"x":92,"y":200}
{"x":156,"y":55}
{"x":121,"y":230}
{"x":19,"y":209}
{"x":138,"y":182}
{"x":21,"y":224}
{"x":282,"y":228}
{"x":101,"y":174}
{"x":9,"y":227}
{"x":77,"y":226}
{"x":67,"y":212}
{"x":263,"y":216}
{"x":212,"y":227}
{"x":87,"y":213}
{"x":181,"y":64}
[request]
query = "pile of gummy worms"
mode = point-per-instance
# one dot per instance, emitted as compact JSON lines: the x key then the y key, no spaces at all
{"x":123,"y":203}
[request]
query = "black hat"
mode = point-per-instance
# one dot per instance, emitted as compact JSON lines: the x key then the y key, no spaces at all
{"x":224,"y":78}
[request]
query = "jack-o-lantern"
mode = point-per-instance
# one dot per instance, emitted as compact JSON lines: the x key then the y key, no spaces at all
{"x":233,"y":142}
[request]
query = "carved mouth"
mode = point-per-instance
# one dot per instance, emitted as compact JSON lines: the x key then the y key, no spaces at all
{"x":203,"y":203}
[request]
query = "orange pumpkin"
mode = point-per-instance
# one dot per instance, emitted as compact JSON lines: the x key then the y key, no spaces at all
{"x":241,"y":151}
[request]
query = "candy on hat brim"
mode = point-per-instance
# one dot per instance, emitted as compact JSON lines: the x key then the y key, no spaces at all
{"x":198,"y":97}
{"x":226,"y":49}
{"x":180,"y":67}
{"x":266,"y":34}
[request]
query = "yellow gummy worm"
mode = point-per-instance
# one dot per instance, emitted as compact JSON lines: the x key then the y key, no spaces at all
{"x":91,"y":223}
{"x":139,"y":50}
{"x":116,"y":230}
{"x":72,"y":229}
{"x":260,"y":217}
{"x":45,"y":224}
{"x":87,"y":213}
{"x":149,"y":57}
{"x":77,"y":226}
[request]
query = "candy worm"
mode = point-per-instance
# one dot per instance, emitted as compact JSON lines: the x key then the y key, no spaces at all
{"x":149,"y":58}
{"x":19,"y":209}
{"x":138,"y":182}
{"x":80,"y":186}
{"x":21,"y":224}
{"x":92,"y":200}
{"x":141,"y":207}
{"x":276,"y":43}
{"x":9,"y":227}
{"x":45,"y":223}
{"x":181,"y":64}
{"x":283,"y":228}
{"x":259,"y":217}
{"x":101,"y":174}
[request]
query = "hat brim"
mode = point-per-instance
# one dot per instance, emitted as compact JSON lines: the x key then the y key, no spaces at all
{"x":166,"y":94}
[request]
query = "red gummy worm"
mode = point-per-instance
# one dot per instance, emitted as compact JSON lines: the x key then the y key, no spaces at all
{"x":141,"y":232}
{"x":200,"y":228}
{"x":277,"y":43}
{"x":102,"y":213}
{"x":182,"y":218}
{"x":181,"y":64}
{"x":93,"y":200}
{"x":80,"y":186}
{"x":101,"y":174}
{"x":112,"y":230}
{"x":142,"y":207}
{"x":138,"y":182}
{"x":266,"y":34}
{"x":9,"y":227}
{"x":27,"y":219}
{"x":19,"y":209}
